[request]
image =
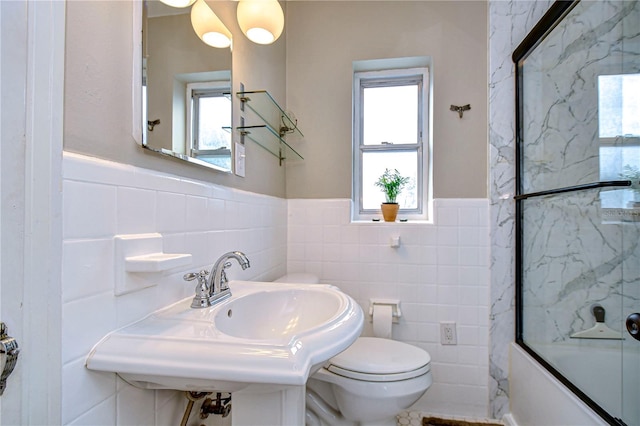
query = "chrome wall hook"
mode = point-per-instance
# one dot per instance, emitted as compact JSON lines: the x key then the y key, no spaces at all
{"x":460,"y":109}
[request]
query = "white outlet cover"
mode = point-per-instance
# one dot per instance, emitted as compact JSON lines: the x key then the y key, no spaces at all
{"x":448,"y":333}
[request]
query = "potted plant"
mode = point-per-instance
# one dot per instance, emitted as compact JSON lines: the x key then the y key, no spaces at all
{"x":391,"y":183}
{"x":633,"y":174}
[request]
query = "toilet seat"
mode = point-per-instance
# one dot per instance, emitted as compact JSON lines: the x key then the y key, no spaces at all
{"x":374,"y":359}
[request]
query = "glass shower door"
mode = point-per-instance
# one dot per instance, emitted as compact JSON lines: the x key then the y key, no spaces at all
{"x":578,"y":200}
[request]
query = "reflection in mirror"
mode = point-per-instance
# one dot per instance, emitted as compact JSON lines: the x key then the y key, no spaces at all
{"x":619,"y":136}
{"x":186,"y":90}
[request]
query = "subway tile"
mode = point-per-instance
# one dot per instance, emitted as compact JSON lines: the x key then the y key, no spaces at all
{"x":171,"y":213}
{"x":448,"y":294}
{"x":428,"y":274}
{"x":103,"y":414}
{"x":468,"y":315}
{"x":87,"y":268}
{"x":331,"y":234}
{"x":469,"y":256}
{"x":409,"y":273}
{"x":469,"y":335}
{"x":195,"y":213}
{"x":136,"y":212}
{"x":215,"y":218}
{"x":447,"y":275}
{"x":447,"y":216}
{"x":468,"y":216}
{"x":447,"y":256}
{"x":84,"y":389}
{"x":447,"y":236}
{"x":84,"y":322}
{"x":135,"y":406}
{"x":90,"y":210}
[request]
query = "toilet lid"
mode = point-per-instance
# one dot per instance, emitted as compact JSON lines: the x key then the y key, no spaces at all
{"x":380,"y":360}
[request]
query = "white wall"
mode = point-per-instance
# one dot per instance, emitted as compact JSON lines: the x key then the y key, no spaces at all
{"x":440,"y":272}
{"x":102,"y":199}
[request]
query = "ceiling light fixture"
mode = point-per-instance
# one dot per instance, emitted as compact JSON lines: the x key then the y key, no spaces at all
{"x":178,"y":3}
{"x":208,"y":26}
{"x":262,"y":21}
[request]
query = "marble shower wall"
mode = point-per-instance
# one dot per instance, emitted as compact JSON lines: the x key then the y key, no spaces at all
{"x":509,"y":23}
{"x":562,"y":144}
{"x":572,"y":259}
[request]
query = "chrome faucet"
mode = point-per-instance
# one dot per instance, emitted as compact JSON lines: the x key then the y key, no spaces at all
{"x":216,"y":288}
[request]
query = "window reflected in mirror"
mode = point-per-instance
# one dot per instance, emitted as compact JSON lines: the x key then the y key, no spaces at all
{"x":187,"y":110}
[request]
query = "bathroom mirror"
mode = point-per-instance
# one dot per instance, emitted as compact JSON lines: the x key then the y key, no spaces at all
{"x":186,"y":90}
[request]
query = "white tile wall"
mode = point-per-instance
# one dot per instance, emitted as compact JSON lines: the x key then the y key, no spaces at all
{"x":440,"y":272}
{"x":102,"y":199}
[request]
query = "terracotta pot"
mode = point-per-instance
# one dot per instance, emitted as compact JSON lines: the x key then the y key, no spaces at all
{"x":390,"y":211}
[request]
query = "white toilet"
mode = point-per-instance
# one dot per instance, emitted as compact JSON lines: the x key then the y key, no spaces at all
{"x":367,"y":384}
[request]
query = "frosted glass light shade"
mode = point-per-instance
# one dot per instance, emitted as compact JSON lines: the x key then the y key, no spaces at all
{"x":262,"y":21}
{"x":178,"y":3}
{"x":208,"y":26}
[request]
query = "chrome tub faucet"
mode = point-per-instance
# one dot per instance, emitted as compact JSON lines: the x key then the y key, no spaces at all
{"x":216,"y":288}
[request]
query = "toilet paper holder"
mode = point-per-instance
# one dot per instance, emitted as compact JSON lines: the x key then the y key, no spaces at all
{"x":396,"y":313}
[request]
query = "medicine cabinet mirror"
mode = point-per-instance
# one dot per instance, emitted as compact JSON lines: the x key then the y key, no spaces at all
{"x":186,"y":90}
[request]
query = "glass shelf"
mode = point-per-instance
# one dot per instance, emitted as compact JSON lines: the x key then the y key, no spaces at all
{"x":277,"y":123}
{"x":265,"y":136}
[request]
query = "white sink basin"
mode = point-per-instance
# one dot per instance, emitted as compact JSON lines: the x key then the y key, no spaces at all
{"x":266,"y":333}
{"x":279,"y":315}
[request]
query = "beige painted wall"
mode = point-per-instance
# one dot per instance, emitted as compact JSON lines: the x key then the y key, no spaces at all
{"x":323,"y":40}
{"x":173,"y":49}
{"x":309,"y":68}
{"x":98,"y":118}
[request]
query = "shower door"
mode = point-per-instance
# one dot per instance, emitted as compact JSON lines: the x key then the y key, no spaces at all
{"x":578,"y":200}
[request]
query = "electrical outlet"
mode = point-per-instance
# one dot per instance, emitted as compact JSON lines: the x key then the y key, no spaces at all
{"x":448,"y":333}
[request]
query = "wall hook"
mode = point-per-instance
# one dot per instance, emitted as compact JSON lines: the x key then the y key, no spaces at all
{"x":460,"y":109}
{"x":152,"y":124}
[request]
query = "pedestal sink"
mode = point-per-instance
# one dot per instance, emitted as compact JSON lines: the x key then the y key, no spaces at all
{"x":261,"y":344}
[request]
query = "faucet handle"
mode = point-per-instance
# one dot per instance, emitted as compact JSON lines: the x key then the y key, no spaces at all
{"x":202,"y":288}
{"x":201,"y":299}
{"x":193,"y":275}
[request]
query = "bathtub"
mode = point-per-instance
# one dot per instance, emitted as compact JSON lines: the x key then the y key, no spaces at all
{"x":600,"y":370}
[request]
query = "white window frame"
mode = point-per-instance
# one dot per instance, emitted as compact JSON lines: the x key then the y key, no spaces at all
{"x":218,"y":87}
{"x":388,"y":78}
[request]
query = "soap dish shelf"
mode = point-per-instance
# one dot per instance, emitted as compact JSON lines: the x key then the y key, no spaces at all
{"x":156,"y":262}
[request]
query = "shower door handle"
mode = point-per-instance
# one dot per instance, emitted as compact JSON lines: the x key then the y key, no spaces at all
{"x":633,"y":325}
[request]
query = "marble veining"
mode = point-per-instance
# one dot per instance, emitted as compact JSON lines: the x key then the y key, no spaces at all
{"x":509,"y":22}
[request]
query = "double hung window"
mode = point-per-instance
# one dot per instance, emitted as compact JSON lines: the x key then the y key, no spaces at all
{"x":390,"y":132}
{"x":210,"y":116}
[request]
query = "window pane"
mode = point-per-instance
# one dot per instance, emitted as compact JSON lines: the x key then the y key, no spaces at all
{"x":618,"y":105}
{"x":390,"y":115}
{"x":373,"y":166}
{"x":214,"y":114}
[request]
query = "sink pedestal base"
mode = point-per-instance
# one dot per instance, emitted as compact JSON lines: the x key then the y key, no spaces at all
{"x":266,"y":404}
